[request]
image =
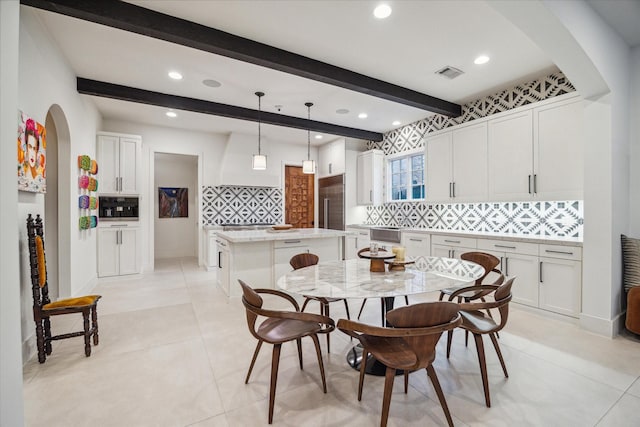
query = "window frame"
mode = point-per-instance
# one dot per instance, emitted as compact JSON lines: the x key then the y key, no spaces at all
{"x":405,"y":154}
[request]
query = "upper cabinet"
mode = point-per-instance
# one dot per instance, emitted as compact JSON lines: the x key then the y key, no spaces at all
{"x":331,"y":158}
{"x":457,"y":164}
{"x":370,"y":169}
{"x":537,"y":153}
{"x":119,"y":160}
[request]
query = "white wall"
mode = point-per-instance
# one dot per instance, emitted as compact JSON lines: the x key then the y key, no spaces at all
{"x":45,"y":80}
{"x":11,"y":402}
{"x":634,"y":191}
{"x":176,"y":237}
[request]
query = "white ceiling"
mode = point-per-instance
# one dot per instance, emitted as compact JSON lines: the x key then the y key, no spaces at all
{"x":406,"y":49}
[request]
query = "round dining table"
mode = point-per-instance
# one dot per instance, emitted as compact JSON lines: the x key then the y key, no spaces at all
{"x":353,"y":279}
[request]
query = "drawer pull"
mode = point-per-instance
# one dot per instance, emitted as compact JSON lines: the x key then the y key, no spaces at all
{"x":291,"y":241}
{"x":416,"y":240}
{"x":504,"y":246}
{"x":452,"y":241}
{"x":549,"y":251}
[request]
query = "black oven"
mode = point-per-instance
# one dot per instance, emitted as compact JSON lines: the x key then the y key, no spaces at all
{"x":122,"y":208}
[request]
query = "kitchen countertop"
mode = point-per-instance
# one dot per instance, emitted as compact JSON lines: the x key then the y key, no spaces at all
{"x":243,"y":236}
{"x":551,"y":240}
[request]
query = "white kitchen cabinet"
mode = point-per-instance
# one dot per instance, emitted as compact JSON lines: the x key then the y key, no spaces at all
{"x":451,"y":246}
{"x":560,"y":277}
{"x":224,"y":265}
{"x":357,"y":239}
{"x":211,"y":253}
{"x":284,"y":250}
{"x":118,"y":250}
{"x":370,"y":170}
{"x":416,"y":244}
{"x":537,"y":153}
{"x":331,"y":158}
{"x":118,"y":163}
{"x":457,"y":164}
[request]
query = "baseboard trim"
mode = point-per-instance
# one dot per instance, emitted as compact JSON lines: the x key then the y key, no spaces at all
{"x":606,"y":327}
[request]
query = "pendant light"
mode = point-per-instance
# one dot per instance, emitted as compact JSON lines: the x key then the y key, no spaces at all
{"x":259,"y":161}
{"x":308,"y":166}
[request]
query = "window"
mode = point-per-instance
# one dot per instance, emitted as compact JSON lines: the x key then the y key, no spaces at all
{"x":407,"y":177}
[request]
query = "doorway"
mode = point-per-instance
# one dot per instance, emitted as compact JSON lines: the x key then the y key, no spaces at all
{"x":298,"y":197}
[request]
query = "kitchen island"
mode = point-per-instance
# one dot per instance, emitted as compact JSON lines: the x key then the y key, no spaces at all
{"x":260,"y":257}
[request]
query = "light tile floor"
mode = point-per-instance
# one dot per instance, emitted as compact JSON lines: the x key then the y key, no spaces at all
{"x":174,"y":351}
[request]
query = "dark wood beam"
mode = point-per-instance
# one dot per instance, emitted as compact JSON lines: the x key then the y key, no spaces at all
{"x":139,"y":20}
{"x":141,"y":96}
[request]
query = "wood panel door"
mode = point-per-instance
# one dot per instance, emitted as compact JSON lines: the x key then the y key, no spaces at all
{"x":298,"y":197}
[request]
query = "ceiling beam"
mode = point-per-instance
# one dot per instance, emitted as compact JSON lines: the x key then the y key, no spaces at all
{"x":139,"y":20}
{"x":141,"y":96}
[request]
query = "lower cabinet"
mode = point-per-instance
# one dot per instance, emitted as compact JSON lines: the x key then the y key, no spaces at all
{"x":118,"y":250}
{"x":354,"y":241}
{"x":284,"y":250}
{"x":451,"y":246}
{"x":416,"y":244}
{"x":560,"y":275}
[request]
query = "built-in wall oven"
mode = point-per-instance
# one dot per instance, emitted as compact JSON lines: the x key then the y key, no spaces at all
{"x":118,"y":208}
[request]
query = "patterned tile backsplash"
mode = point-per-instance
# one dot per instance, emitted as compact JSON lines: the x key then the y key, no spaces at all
{"x":239,"y":205}
{"x":544,"y":219}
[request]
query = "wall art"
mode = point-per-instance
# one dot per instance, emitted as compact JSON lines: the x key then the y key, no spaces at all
{"x":173,"y":202}
{"x":32,"y":155}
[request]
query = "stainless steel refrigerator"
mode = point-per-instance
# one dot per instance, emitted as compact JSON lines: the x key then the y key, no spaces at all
{"x":331,"y":202}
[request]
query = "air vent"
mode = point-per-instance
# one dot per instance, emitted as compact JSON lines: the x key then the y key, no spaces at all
{"x":449,"y":72}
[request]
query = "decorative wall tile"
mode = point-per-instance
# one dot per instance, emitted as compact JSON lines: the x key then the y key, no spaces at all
{"x":557,"y":219}
{"x":240,"y":205}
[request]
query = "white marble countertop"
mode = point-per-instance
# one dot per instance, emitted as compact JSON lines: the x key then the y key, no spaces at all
{"x":243,"y":236}
{"x":551,"y":240}
{"x":352,"y":278}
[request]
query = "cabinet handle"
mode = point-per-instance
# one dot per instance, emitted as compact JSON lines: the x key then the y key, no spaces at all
{"x":549,"y":251}
{"x":540,"y":272}
{"x":506,"y":266}
{"x":449,"y":189}
{"x":330,"y":168}
{"x":454,"y":189}
{"x":452,"y":241}
{"x":416,"y":240}
{"x":291,"y":241}
{"x":529,"y":181}
{"x":371,"y":196}
{"x":504,"y":246}
{"x":535,"y":183}
{"x":501,"y":262}
{"x":119,"y":236}
{"x":219,"y":259}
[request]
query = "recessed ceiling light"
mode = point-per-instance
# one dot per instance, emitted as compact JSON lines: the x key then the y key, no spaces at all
{"x":362,"y":116}
{"x":175,"y":75}
{"x":482,"y":59}
{"x":211,"y":83}
{"x":171,"y":114}
{"x":342,"y":111}
{"x":318,"y":136}
{"x":382,"y":11}
{"x":395,"y":123}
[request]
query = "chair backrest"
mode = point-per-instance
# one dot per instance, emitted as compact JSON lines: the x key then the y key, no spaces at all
{"x":303,"y":260}
{"x":362,"y":250}
{"x":503,"y":296}
{"x":487,"y":261}
{"x":251,"y":301}
{"x":425,"y":315}
{"x":37,"y":261}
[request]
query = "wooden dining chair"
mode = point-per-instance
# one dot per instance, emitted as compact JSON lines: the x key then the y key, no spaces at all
{"x":280,"y":327}
{"x":382,"y":304}
{"x":476,"y":320}
{"x":487,"y":261}
{"x":44,"y":309}
{"x":305,"y":260}
{"x":409,"y":345}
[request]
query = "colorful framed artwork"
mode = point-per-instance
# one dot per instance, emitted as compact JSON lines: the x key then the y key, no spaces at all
{"x":173,"y":202}
{"x":32,"y":155}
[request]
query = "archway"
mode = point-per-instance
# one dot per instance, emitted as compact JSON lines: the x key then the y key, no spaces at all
{"x":57,"y":203}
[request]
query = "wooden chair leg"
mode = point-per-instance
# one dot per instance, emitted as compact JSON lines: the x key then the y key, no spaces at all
{"x":441,"y":296}
{"x":389,"y":376}
{"x":364,"y":301}
{"x":406,"y":381}
{"x":316,"y":342}
{"x":94,"y":322}
{"x":497,"y":347}
{"x":275,"y":361}
{"x":382,"y":313}
{"x":253,"y":361}
{"x":363,"y":367}
{"x":299,"y":345}
{"x":326,"y":313}
{"x":449,"y":339}
{"x":466,"y":338}
{"x":47,"y":335}
{"x":87,"y":332}
{"x":304,"y":304}
{"x":40,"y":341}
{"x":431,"y":372}
{"x":483,"y":368}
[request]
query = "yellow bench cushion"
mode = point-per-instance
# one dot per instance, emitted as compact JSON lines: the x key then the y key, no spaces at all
{"x":72,"y":302}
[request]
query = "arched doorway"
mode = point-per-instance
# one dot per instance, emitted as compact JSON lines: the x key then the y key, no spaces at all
{"x":57,"y":204}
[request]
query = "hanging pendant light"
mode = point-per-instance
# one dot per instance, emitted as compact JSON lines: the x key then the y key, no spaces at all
{"x":259,"y":161}
{"x":308,"y":166}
